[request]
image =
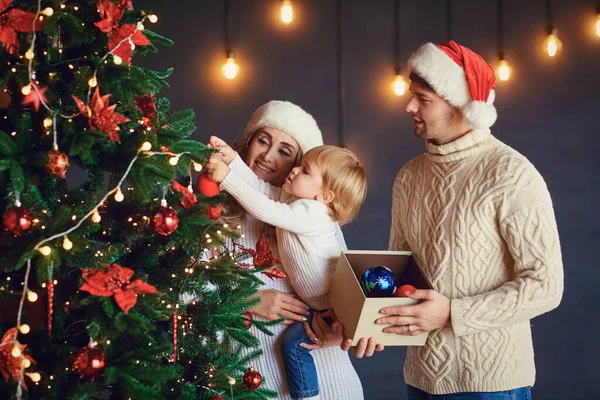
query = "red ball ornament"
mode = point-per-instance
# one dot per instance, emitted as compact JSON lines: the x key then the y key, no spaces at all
{"x":214,"y":212}
{"x":17,"y":220}
{"x":165,"y":221}
{"x":252,"y":379}
{"x":207,"y":186}
{"x":248,"y":320}
{"x":401,"y":291}
{"x":58,"y":162}
{"x":89,"y":363}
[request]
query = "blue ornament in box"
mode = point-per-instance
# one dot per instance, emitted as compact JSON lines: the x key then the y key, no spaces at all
{"x":378,"y":281}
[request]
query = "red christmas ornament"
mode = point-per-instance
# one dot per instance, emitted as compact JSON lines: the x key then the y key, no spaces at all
{"x":101,"y":116}
{"x":50,"y":286}
{"x":207,"y":186}
{"x":89,"y":363}
{"x":262,"y":257}
{"x":11,"y":366}
{"x":248,"y":320}
{"x":174,"y":322}
{"x":165,"y":221}
{"x":58,"y":162}
{"x":189,"y":199}
{"x":13,"y":21}
{"x":401,"y":291}
{"x":17,"y":220}
{"x":147,"y":107}
{"x":114,"y":280}
{"x":214,"y":212}
{"x":252,"y":379}
{"x":35,"y":97}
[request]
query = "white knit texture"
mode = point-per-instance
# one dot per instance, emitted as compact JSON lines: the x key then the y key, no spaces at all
{"x":480,"y":218}
{"x":337,"y":376}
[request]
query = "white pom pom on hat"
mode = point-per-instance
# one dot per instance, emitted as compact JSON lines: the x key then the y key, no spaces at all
{"x":461,"y":77}
{"x":288,"y":118}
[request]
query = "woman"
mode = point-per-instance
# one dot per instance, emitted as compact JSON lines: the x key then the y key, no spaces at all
{"x":275,"y":138}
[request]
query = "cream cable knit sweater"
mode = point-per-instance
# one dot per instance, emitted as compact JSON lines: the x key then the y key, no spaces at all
{"x":480,"y":218}
{"x":337,"y":377}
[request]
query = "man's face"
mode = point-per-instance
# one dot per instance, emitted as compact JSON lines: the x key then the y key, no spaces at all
{"x":434,"y":118}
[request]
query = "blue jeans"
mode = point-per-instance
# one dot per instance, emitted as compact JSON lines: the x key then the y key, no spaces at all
{"x":523,"y":393}
{"x":300,"y":369}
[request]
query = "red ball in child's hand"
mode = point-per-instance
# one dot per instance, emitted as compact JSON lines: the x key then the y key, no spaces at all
{"x":401,"y":291}
{"x":207,"y":186}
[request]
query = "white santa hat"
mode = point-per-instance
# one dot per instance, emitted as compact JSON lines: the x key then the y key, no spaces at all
{"x":461,"y":77}
{"x":289,"y":118}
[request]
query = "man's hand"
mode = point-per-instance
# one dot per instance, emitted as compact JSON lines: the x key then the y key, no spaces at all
{"x":432,"y":313}
{"x":217,"y":170}
{"x":225,"y":150}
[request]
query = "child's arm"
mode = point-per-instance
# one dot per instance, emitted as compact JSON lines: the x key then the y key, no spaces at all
{"x":301,"y":217}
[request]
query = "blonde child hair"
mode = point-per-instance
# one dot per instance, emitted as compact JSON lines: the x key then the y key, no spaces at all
{"x":344,"y":175}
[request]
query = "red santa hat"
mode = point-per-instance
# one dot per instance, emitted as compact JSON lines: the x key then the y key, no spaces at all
{"x":461,"y":77}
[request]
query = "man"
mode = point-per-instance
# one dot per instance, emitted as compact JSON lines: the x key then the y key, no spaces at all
{"x":479,"y":217}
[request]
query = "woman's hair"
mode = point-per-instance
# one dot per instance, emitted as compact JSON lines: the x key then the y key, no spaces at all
{"x":344,"y":176}
{"x":233,"y":212}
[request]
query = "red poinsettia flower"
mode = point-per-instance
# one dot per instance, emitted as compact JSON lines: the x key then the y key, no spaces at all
{"x":120,"y":38}
{"x":35,"y":97}
{"x":101,"y":116}
{"x":114,"y":280}
{"x":13,"y":21}
{"x":263,"y":258}
{"x":9,"y":365}
{"x":189,"y":199}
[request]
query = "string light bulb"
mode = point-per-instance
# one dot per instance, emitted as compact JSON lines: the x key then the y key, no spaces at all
{"x":174,"y":160}
{"x":119,"y":197}
{"x":230,"y":69}
{"x":34,"y":376}
{"x":93,"y":82}
{"x":24,"y":329}
{"x":48,"y":11}
{"x":26,"y":363}
{"x":117,"y":60}
{"x":96,"y":218}
{"x":48,"y":122}
{"x":29,"y":54}
{"x":32,"y":296}
{"x":45,"y":250}
{"x":16,"y":351}
{"x":552,"y":44}
{"x":153,"y":18}
{"x":504,"y":69}
{"x":399,"y":84}
{"x":67,"y":244}
{"x":146,"y":146}
{"x":287,"y":11}
{"x":26,"y":90}
{"x":197,"y":167}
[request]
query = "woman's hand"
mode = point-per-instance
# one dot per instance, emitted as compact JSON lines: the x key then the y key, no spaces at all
{"x":321,"y":334}
{"x":364,"y":347}
{"x":275,"y":304}
{"x":227,"y":152}
{"x":217,"y":170}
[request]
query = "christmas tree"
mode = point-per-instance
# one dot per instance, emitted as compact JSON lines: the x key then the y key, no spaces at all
{"x":115,"y":277}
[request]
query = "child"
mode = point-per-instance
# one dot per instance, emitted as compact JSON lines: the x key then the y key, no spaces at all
{"x":325,"y":191}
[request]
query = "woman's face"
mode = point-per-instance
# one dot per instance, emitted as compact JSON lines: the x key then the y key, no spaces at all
{"x":272,"y":155}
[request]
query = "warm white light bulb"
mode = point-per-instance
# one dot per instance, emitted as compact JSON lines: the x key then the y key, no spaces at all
{"x":32,"y":296}
{"x":67,"y":244}
{"x":152,"y":18}
{"x":45,"y":250}
{"x":598,"y":25}
{"x":47,"y":122}
{"x":93,"y":82}
{"x":119,"y":196}
{"x":230,"y":69}
{"x":399,"y":85}
{"x":552,"y":44}
{"x":26,"y":363}
{"x":35,"y":376}
{"x":16,"y":351}
{"x":24,"y":329}
{"x":197,"y":167}
{"x":173,"y":160}
{"x":26,"y":90}
{"x":503,"y":70}
{"x":146,"y":146}
{"x":29,"y":54}
{"x":287,"y":12}
{"x":117,"y":60}
{"x":48,"y":11}
{"x":96,"y":218}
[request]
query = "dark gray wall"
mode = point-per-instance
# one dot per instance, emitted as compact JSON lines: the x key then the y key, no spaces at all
{"x":548,"y":111}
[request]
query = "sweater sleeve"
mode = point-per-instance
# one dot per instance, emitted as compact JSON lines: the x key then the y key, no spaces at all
{"x":531,"y":236}
{"x":245,"y":173}
{"x":397,"y":238}
{"x":302,"y":217}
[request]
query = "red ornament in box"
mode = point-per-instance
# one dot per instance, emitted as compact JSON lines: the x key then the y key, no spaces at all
{"x":252,"y":379}
{"x":248,"y":320}
{"x":401,"y":291}
{"x":207,"y":186}
{"x":89,"y":363}
{"x":58,"y":162}
{"x":165,"y":221}
{"x":17,"y":220}
{"x":214,"y":212}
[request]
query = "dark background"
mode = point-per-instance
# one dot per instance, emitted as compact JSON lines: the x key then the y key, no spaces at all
{"x":548,"y":111}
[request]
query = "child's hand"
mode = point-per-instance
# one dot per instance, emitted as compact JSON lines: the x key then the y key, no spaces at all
{"x":217,"y":170}
{"x":227,"y":152}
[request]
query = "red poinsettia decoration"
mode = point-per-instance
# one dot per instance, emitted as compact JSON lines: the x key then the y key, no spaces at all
{"x":114,"y":280}
{"x":120,"y":38}
{"x":9,"y":365}
{"x":147,"y":105}
{"x":189,"y":199}
{"x":13,"y":21}
{"x":35,"y":97}
{"x":102,"y":116}
{"x":125,"y":4}
{"x":263,"y":258}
